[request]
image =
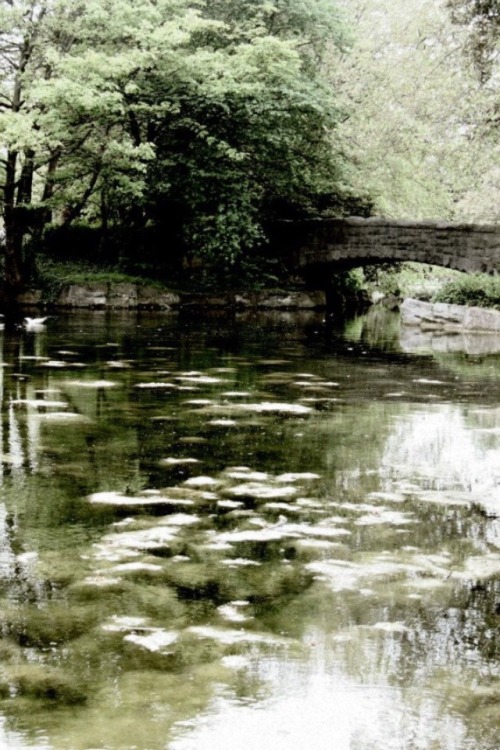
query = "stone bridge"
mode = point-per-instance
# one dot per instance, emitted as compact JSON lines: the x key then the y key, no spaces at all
{"x":318,"y":244}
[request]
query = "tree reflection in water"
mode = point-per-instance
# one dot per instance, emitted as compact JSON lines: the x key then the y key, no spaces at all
{"x":263,"y":536}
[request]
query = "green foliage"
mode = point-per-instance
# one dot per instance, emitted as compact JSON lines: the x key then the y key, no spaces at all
{"x":479,"y":21}
{"x":186,"y":127}
{"x":351,"y":281}
{"x":248,"y":137}
{"x":52,"y":275}
{"x":82,"y":273}
{"x":251,"y":271}
{"x":418,"y":130}
{"x":418,"y":280}
{"x":385,"y":276}
{"x":479,"y":290}
{"x":482,"y":21}
{"x":203,"y":119}
{"x":346,"y":291}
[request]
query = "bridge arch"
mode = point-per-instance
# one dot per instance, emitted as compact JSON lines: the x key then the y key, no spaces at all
{"x":317,"y":244}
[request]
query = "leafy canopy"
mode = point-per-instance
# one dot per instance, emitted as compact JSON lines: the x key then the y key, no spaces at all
{"x":204,"y":118}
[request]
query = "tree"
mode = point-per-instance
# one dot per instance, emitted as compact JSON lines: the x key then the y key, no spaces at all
{"x":481,"y":21}
{"x":45,"y":144}
{"x":248,"y":142}
{"x":481,"y":18}
{"x":21,"y":25}
{"x":413,"y":132}
{"x":205,"y":118}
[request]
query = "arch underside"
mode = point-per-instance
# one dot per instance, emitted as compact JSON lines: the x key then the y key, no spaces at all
{"x":343,"y":263}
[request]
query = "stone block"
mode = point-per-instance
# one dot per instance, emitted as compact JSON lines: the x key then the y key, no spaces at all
{"x":83,"y":295}
{"x":122,"y":295}
{"x":210,"y":300}
{"x":414,"y":312}
{"x":481,"y":319}
{"x":32,"y":297}
{"x":155,"y":298}
{"x":445,"y":313}
{"x":276,"y":300}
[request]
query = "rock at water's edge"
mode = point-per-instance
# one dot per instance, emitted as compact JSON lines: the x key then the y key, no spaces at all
{"x":441,"y":316}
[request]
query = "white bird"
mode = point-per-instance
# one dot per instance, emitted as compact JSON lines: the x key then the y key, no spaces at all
{"x":34,"y":324}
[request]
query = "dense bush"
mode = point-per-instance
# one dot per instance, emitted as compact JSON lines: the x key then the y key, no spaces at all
{"x":479,"y":290}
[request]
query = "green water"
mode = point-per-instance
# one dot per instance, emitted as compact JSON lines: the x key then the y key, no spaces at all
{"x":250,"y":533}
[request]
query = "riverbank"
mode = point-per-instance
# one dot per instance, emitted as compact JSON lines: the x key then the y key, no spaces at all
{"x":428,"y":316}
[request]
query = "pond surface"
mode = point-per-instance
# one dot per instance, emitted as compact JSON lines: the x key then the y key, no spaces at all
{"x":255,"y":533}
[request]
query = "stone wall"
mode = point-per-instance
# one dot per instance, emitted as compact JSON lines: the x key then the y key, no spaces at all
{"x":100,"y":295}
{"x":267,"y":300}
{"x":128,"y":296}
{"x":354,"y":241}
{"x":116,"y":296}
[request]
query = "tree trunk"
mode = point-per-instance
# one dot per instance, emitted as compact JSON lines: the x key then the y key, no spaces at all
{"x":14,"y":232}
{"x":14,"y":271}
{"x":15,"y":222}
